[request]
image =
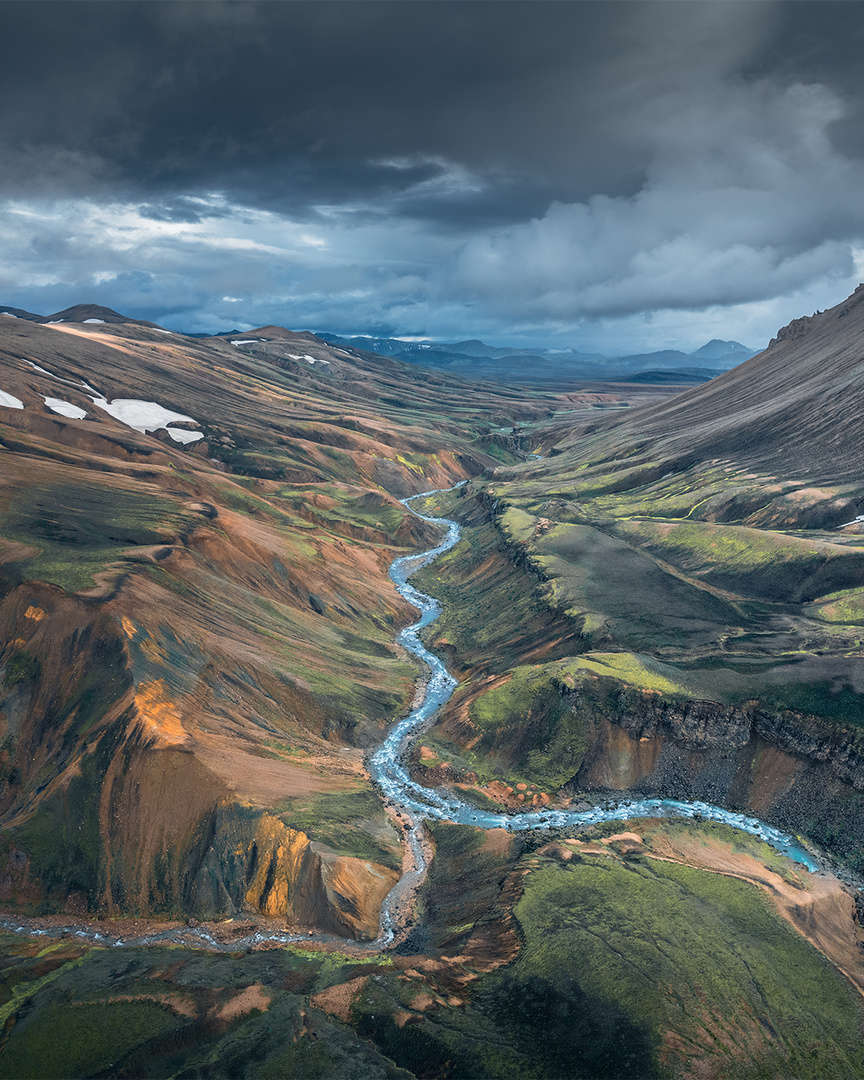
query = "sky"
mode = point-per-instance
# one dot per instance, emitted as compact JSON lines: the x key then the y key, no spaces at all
{"x":608,"y":176}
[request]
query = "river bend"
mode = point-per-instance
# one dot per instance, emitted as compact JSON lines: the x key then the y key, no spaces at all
{"x":419,"y":803}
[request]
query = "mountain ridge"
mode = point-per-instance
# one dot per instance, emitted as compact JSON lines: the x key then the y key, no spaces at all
{"x":470,"y":358}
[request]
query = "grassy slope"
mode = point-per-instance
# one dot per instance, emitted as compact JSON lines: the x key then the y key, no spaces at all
{"x":748,"y":613}
{"x":158,"y":1012}
{"x":697,"y":961}
{"x":626,"y":967}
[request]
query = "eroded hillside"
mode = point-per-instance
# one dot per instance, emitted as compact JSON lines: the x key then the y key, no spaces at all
{"x":196,"y":619}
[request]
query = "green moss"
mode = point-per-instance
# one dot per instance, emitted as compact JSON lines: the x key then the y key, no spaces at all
{"x":78,"y":530}
{"x":845,"y":607}
{"x":84,"y":1040}
{"x":626,"y":594}
{"x":529,"y":729}
{"x":762,"y":563}
{"x":518,"y":525}
{"x":676,"y":949}
{"x":351,"y":823}
{"x":841,"y":705}
{"x":21,"y":667}
{"x":99,"y":1017}
{"x":641,"y":672}
{"x":493,"y":612}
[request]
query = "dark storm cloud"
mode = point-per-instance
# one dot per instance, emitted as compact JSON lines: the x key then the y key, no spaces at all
{"x":449,"y":168}
{"x":289,"y":104}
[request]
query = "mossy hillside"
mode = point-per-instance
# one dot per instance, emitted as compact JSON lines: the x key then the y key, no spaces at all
{"x":21,"y":667}
{"x":631,"y":482}
{"x":352,"y":686}
{"x":339,"y":508}
{"x":343,"y":657}
{"x":635,"y":601}
{"x":518,"y":525}
{"x":754,"y":562}
{"x":78,"y":530}
{"x":694,"y":957}
{"x":732,"y":650}
{"x":537,"y":725}
{"x":493,"y":611}
{"x":62,"y":836}
{"x":85,"y":1040}
{"x":508,"y":1027}
{"x":156,"y":1012}
{"x":631,"y":669}
{"x":529,"y":731}
{"x":348,"y":822}
{"x":463,"y":885}
{"x":844,"y":607}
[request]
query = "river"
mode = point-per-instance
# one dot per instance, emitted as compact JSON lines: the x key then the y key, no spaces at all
{"x":415,"y":804}
{"x":419,"y":803}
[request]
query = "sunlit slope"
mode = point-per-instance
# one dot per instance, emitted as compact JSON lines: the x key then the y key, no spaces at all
{"x":197,"y":636}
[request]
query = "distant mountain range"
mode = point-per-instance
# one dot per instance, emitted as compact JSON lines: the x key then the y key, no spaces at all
{"x":475,"y":359}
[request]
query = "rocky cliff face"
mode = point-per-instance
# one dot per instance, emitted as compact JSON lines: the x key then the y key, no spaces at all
{"x":784,"y":767}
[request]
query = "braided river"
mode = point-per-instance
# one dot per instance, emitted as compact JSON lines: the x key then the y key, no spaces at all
{"x":419,"y":803}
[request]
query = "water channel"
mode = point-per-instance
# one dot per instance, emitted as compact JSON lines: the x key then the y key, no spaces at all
{"x":388,"y":767}
{"x":415,"y":804}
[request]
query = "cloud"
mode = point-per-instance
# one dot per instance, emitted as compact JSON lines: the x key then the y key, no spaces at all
{"x":745,"y":199}
{"x":435,"y":168}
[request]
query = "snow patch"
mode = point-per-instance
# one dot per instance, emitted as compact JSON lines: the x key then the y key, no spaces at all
{"x":9,"y":313}
{"x":65,"y":408}
{"x":309,"y":359}
{"x":159,"y":330}
{"x":247,"y":341}
{"x":9,"y":401}
{"x":181,"y":436}
{"x":42,"y":369}
{"x":143,"y":416}
{"x":94,"y":320}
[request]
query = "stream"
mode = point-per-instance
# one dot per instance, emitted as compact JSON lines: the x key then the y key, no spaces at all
{"x":414,"y":804}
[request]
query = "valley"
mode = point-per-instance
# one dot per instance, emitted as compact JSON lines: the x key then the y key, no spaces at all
{"x":203,"y":652}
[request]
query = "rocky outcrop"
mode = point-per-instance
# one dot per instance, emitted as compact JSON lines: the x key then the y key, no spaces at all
{"x":706,"y":725}
{"x":784,"y":767}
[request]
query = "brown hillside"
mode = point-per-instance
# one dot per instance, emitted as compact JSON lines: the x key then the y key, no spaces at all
{"x":196,"y":638}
